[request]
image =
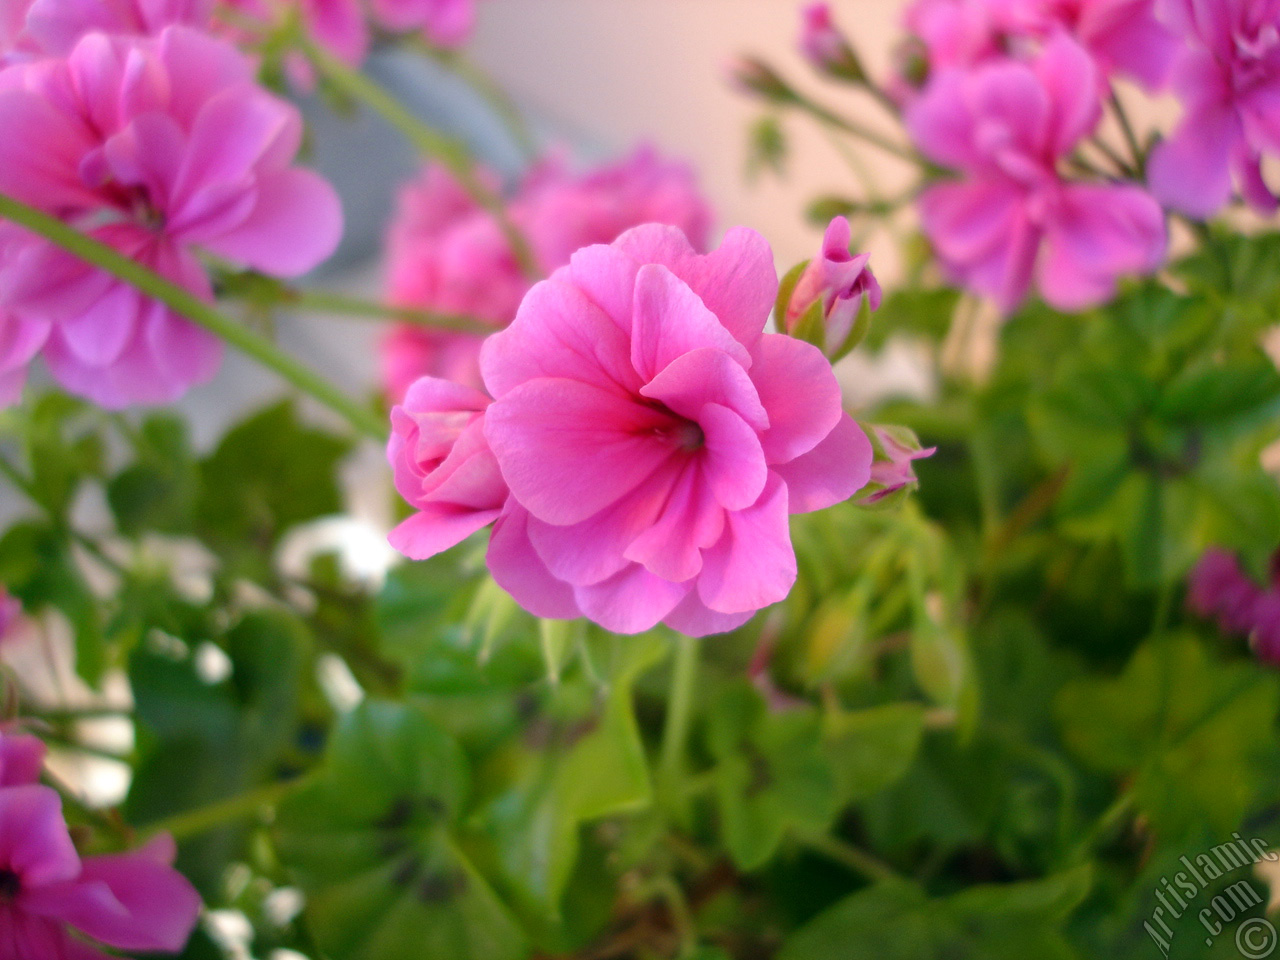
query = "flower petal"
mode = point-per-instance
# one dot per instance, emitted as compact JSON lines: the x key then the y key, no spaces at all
{"x":753,"y":564}
{"x":831,"y":472}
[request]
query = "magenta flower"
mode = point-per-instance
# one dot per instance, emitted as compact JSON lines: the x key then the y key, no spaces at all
{"x":1219,"y":588}
{"x":337,"y":25}
{"x":1122,"y":36}
{"x":1228,"y":77}
{"x":52,"y":901}
{"x":21,"y":758}
{"x":1007,"y":126}
{"x":655,"y":439}
{"x":20,"y":341}
{"x":56,"y":26}
{"x":443,"y":467}
{"x":448,"y":255}
{"x":837,"y":280}
{"x":445,"y":23}
{"x":956,"y":33}
{"x":160,"y":148}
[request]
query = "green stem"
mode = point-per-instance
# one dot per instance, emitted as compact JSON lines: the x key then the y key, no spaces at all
{"x":834,"y":120}
{"x":194,"y":309}
{"x":846,"y":854}
{"x":675,"y":733}
{"x":431,"y":143}
{"x":192,"y":823}
{"x":1130,"y":137}
{"x":339,"y":304}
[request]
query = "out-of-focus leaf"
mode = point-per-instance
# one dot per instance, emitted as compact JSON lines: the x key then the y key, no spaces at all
{"x":871,"y":749}
{"x":158,"y":490}
{"x":1193,"y":732}
{"x":897,"y":921}
{"x":771,"y":774}
{"x":375,"y":845}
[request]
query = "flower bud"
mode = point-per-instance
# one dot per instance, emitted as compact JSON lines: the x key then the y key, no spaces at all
{"x":825,"y":305}
{"x":891,"y":471}
{"x":755,"y":77}
{"x":826,"y":48}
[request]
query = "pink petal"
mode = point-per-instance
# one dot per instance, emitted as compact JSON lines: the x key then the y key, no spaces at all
{"x":98,"y":336}
{"x":941,"y":125}
{"x":340,"y":26}
{"x":668,"y":320}
{"x":40,"y":153}
{"x":591,"y":551}
{"x":558,"y":332}
{"x":737,"y":282}
{"x":569,"y":449}
{"x":707,"y":375}
{"x":691,"y":521}
{"x":694,"y":618}
{"x":517,"y":568}
{"x":436,"y":528}
{"x":294,"y":226}
{"x":1071,"y":80}
{"x":732,"y":461}
{"x":753,"y":564}
{"x":632,"y":601}
{"x":132,"y":902}
{"x":21,"y":759}
{"x":800,"y":393}
{"x":201,"y":66}
{"x":34,"y":842}
{"x":1098,"y":234}
{"x":1191,"y":171}
{"x":607,"y":276}
{"x":831,"y":472}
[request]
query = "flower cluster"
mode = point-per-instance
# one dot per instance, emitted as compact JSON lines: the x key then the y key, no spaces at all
{"x":1008,"y":95}
{"x":641,"y":444}
{"x":53,"y":902}
{"x":163,"y":147}
{"x":447,"y":254}
{"x":1221,"y":590}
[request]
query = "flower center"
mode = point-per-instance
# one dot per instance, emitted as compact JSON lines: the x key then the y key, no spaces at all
{"x":1255,"y":57}
{"x":684,"y":434}
{"x":10,"y":886}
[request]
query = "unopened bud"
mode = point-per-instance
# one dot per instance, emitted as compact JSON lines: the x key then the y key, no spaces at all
{"x":896,"y":448}
{"x":830,"y":301}
{"x":753,"y":76}
{"x":826,"y":48}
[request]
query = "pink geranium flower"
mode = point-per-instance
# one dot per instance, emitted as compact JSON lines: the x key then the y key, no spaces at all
{"x":337,"y":25}
{"x":1228,"y":77}
{"x":55,"y":26}
{"x":444,"y":23}
{"x":1122,"y":36}
{"x":837,"y":280}
{"x":21,"y":758}
{"x":52,"y":901}
{"x":448,"y":255}
{"x":160,"y":148}
{"x":653,"y":440}
{"x":896,"y":450}
{"x":1008,"y":126}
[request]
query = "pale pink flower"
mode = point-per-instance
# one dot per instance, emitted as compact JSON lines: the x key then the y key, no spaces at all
{"x":838,"y":281}
{"x":448,"y":255}
{"x":443,"y":467}
{"x":53,"y":904}
{"x":655,"y":439}
{"x":1228,"y":77}
{"x":20,"y":341}
{"x":1007,"y":126}
{"x":157,"y":147}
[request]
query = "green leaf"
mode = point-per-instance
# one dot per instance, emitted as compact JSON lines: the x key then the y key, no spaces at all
{"x":268,"y":474}
{"x":771,"y":775}
{"x":589,"y":764}
{"x":375,"y":844}
{"x":871,"y":749}
{"x":1192,"y":733}
{"x":158,"y":491}
{"x":766,"y":149}
{"x":897,"y":921}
